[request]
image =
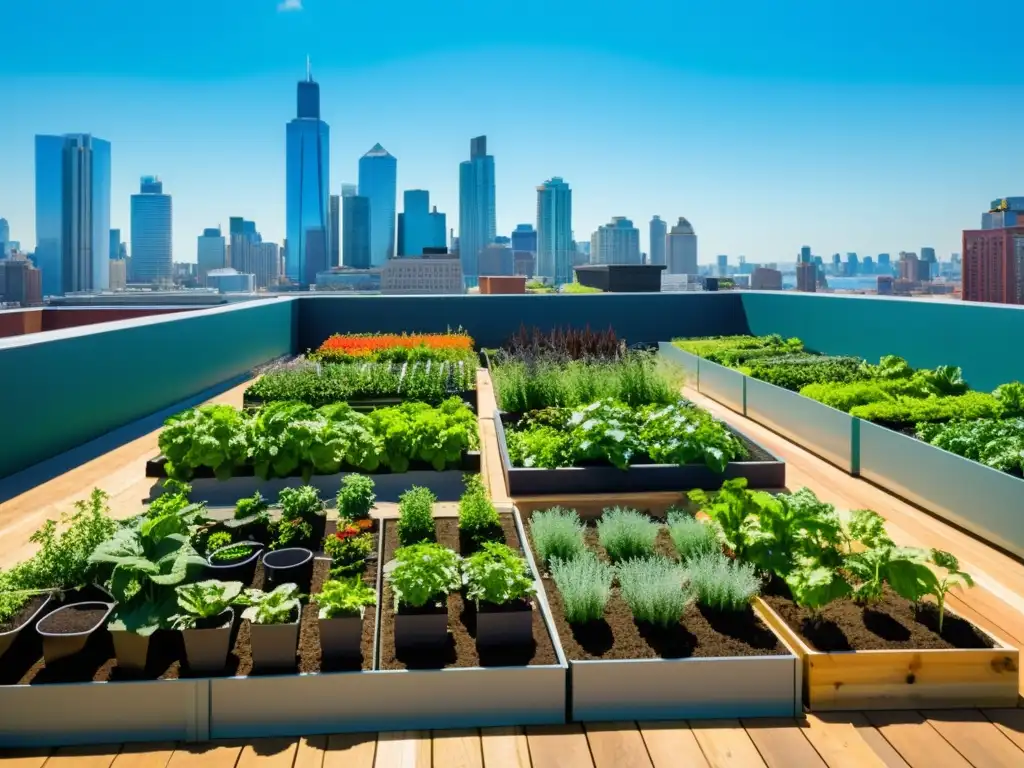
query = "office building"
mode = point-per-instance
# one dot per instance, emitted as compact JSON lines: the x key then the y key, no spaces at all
{"x":115,"y":244}
{"x":419,"y":227}
{"x":211,"y":253}
{"x":617,"y":242}
{"x":884,"y":285}
{"x":477,"y":212}
{"x":883,"y":262}
{"x":355,"y":230}
{"x":764,"y":279}
{"x":659,"y":233}
{"x":805,"y":254}
{"x":72,"y":213}
{"x":524,"y":238}
{"x":681,"y":249}
{"x":497,"y":259}
{"x":118,"y":274}
{"x":334,"y":259}
{"x":20,"y":282}
{"x":378,"y":183}
{"x":5,"y":237}
{"x":152,"y":255}
{"x":422,"y":275}
{"x":267,"y":265}
{"x":230,"y":280}
{"x":722,"y":265}
{"x":554,"y":254}
{"x":807,"y":277}
{"x":993,"y":265}
{"x":307,"y":187}
{"x":913,"y":269}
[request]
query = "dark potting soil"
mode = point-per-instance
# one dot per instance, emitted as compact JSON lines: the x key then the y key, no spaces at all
{"x":894,"y":623}
{"x":703,"y":633}
{"x":73,"y":620}
{"x":461,"y":650}
{"x":26,"y":613}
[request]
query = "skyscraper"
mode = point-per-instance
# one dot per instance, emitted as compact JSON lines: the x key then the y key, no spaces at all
{"x":554,"y":231}
{"x":723,"y":263}
{"x":524,"y":238}
{"x":682,"y":249}
{"x":210,"y":252}
{"x":378,"y":183}
{"x":152,"y":257}
{"x":115,"y":244}
{"x":307,"y":187}
{"x":617,"y":242}
{"x":5,"y":237}
{"x":659,"y":231}
{"x":805,"y":254}
{"x":418,"y":226}
{"x":478,"y":224}
{"x":355,"y":228}
{"x":72,"y":213}
{"x":335,"y":251}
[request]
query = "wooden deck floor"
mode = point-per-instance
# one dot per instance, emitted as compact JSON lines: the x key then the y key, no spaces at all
{"x":979,"y":738}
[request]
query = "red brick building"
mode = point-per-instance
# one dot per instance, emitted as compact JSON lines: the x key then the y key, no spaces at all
{"x":993,"y":265}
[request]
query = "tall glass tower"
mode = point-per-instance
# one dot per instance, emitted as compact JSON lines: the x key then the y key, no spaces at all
{"x":554,"y":231}
{"x":378,"y":183}
{"x":152,"y":256}
{"x":73,"y":213}
{"x":307,"y":218}
{"x":477,"y":214}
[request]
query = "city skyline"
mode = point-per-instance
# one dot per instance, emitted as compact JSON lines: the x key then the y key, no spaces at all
{"x":802,"y":148}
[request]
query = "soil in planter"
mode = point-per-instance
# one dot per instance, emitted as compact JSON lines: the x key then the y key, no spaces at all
{"x":24,"y":614}
{"x":894,"y":623}
{"x":461,"y":650}
{"x":74,"y":620}
{"x":703,"y":633}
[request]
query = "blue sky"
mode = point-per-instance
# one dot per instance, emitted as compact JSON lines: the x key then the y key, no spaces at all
{"x":867,"y":127}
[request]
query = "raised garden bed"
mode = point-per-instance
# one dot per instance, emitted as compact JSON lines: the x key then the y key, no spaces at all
{"x":710,"y":666}
{"x":891,"y":656}
{"x":763,"y":470}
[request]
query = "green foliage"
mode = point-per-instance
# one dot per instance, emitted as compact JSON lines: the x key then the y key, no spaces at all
{"x":424,"y":573}
{"x":478,"y":519}
{"x":282,"y":606}
{"x":575,"y":287}
{"x":844,"y":397}
{"x":691,"y":537}
{"x":203,"y":600}
{"x":557,"y":534}
{"x":889,"y":367}
{"x":416,"y":516}
{"x":585,"y":584}
{"x":213,"y":436}
{"x":626,"y":534}
{"x":721,"y":583}
{"x":300,"y":508}
{"x":906,"y":411}
{"x":1011,"y":398}
{"x":995,"y":443}
{"x":798,"y":371}
{"x":945,"y":380}
{"x":681,"y":434}
{"x":174,"y":498}
{"x":356,"y":497}
{"x":217,"y":540}
{"x":736,"y":350}
{"x":948,"y":577}
{"x":418,"y":432}
{"x":238,"y":551}
{"x":497,"y":574}
{"x":339,"y":598}
{"x":655,"y":589}
{"x":348,"y":547}
{"x":253,"y":508}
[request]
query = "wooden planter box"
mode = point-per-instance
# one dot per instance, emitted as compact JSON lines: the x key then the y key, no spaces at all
{"x":524,"y":481}
{"x":926,"y":679}
{"x":982,"y":500}
{"x":725,"y":385}
{"x":688,"y":361}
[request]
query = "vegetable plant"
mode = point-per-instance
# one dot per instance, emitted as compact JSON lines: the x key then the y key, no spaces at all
{"x":212,"y":436}
{"x":251,"y":510}
{"x":626,"y":534}
{"x":721,"y":583}
{"x":300,"y":508}
{"x":216,"y":541}
{"x":655,"y":590}
{"x":339,"y":598}
{"x":691,"y":537}
{"x":416,"y":516}
{"x":276,"y":607}
{"x":203,"y":600}
{"x":478,"y":519}
{"x":417,"y":432}
{"x":174,"y":497}
{"x":424,"y":573}
{"x":1011,"y":398}
{"x":236,"y":552}
{"x":948,"y":577}
{"x":997,"y":443}
{"x":356,"y":497}
{"x":585,"y":584}
{"x":497,"y":574}
{"x":557,"y":534}
{"x":348,"y":548}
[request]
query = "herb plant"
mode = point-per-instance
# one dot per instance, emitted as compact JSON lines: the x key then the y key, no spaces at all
{"x":216,"y":541}
{"x":655,"y":590}
{"x":300,"y":508}
{"x":478,"y":519}
{"x":691,"y":537}
{"x":236,"y":552}
{"x":203,"y":600}
{"x":277,"y":607}
{"x":721,"y":583}
{"x":251,"y":510}
{"x":356,"y":497}
{"x":585,"y":584}
{"x":340,"y":598}
{"x":424,"y":573}
{"x":557,"y":534}
{"x":348,"y":548}
{"x":497,"y":574}
{"x":174,"y":497}
{"x":626,"y":534}
{"x":416,"y":516}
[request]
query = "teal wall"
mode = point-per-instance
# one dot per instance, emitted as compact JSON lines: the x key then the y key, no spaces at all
{"x":65,"y":388}
{"x":983,"y":339}
{"x":490,"y":320}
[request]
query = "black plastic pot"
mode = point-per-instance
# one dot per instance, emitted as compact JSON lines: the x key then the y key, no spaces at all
{"x":240,"y":570}
{"x":130,"y":649}
{"x":341,"y":637}
{"x":7,"y":638}
{"x":58,"y":645}
{"x":288,"y":566}
{"x":425,"y":627}
{"x":510,"y":624}
{"x":207,"y":646}
{"x":274,"y":645}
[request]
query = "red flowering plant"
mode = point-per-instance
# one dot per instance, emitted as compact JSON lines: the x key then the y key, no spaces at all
{"x":391,"y":347}
{"x":348,"y":547}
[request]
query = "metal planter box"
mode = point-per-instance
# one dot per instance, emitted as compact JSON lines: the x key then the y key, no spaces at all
{"x":688,"y":361}
{"x":824,"y":431}
{"x":982,"y":500}
{"x":524,"y":481}
{"x":898,"y":679}
{"x":725,"y":385}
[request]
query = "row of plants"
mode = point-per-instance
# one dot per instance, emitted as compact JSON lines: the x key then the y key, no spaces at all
{"x":453,"y":346}
{"x":318,"y":385}
{"x":286,"y":439}
{"x":565,"y":344}
{"x":618,"y":434}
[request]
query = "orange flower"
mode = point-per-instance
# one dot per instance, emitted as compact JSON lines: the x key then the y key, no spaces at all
{"x":366,"y":345}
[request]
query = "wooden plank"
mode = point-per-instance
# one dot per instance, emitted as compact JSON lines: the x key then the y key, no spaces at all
{"x":214,"y":754}
{"x":559,"y":746}
{"x":24,"y":758}
{"x":505,"y":748}
{"x":781,"y":743}
{"x":145,"y":755}
{"x":671,"y":744}
{"x":617,"y":745}
{"x":93,"y":756}
{"x":916,"y":741}
{"x":975,"y":737}
{"x":268,"y":753}
{"x":310,"y":753}
{"x":350,"y":750}
{"x":403,"y":749}
{"x":726,"y":744}
{"x":458,"y":748}
{"x":1010,"y":722}
{"x":838,"y":742}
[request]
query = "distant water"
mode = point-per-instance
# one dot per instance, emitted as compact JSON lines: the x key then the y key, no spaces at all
{"x":861,"y":283}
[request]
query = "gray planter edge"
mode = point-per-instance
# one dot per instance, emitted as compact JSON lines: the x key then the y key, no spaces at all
{"x":688,"y":361}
